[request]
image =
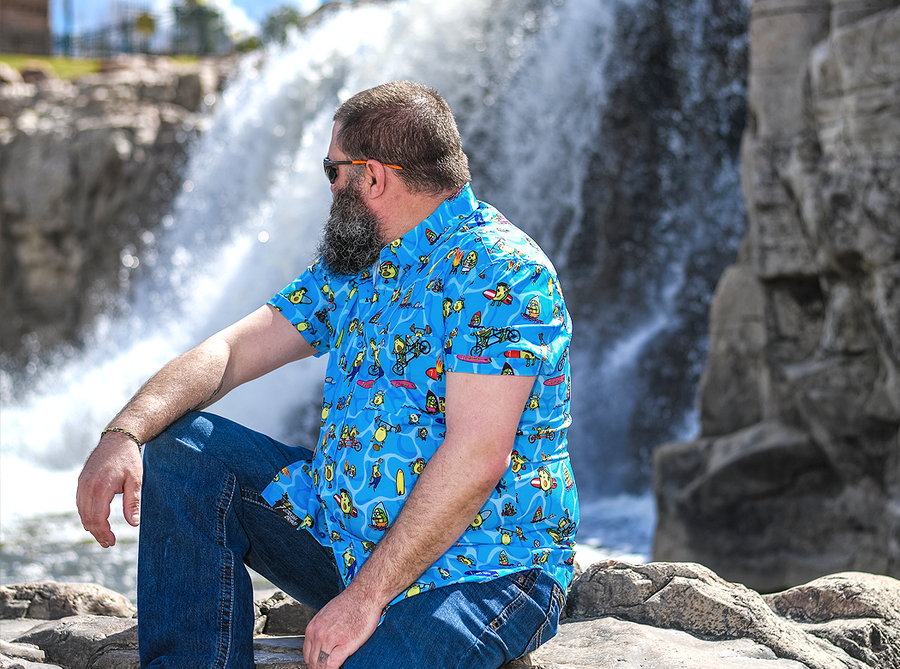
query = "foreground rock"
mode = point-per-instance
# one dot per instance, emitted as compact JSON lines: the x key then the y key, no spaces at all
{"x":845,"y":620}
{"x":49,"y":600}
{"x":79,"y":642}
{"x":653,"y":616}
{"x":281,"y":615}
{"x":797,"y":470}
{"x":89,"y":168}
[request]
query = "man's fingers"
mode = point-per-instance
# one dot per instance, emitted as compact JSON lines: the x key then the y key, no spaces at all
{"x":110,"y":469}
{"x":323,"y":660}
{"x":335,"y":633}
{"x":313,"y":654}
{"x":337,"y":657}
{"x":93,"y":500}
{"x":100,"y":529}
{"x":95,"y":519}
{"x":131,"y":501}
{"x":104,"y":536}
{"x":307,"y":651}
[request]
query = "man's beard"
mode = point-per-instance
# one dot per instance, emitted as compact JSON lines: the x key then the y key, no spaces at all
{"x":351,"y":241}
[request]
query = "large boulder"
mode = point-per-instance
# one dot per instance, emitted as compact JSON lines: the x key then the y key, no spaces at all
{"x":80,"y":642}
{"x":857,"y":612}
{"x":50,"y":600}
{"x":796,"y":472}
{"x":844,"y":621}
{"x":612,"y":643}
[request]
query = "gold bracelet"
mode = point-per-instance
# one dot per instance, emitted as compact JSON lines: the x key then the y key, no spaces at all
{"x":139,"y":443}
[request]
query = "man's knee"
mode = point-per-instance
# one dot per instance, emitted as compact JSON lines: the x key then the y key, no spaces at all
{"x":195,"y":430}
{"x":206,"y":441}
{"x":194,"y":425}
{"x":187,"y":438}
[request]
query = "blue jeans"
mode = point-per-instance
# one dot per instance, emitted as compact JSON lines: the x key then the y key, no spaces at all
{"x":202,"y":516}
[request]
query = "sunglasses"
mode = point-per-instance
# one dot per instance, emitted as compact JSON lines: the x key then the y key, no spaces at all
{"x":331,"y":170}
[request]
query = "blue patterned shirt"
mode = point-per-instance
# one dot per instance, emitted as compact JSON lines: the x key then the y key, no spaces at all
{"x":464,"y":291}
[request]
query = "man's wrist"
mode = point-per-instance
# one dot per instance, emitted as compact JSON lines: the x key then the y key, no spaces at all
{"x":369,"y":593}
{"x":137,"y":440}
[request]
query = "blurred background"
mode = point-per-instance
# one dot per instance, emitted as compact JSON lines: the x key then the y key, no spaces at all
{"x":718,"y":195}
{"x":102,"y":28}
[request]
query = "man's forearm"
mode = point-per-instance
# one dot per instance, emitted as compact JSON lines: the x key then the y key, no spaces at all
{"x":192,"y":381}
{"x":482,"y":413}
{"x":262,"y":341}
{"x":445,"y":499}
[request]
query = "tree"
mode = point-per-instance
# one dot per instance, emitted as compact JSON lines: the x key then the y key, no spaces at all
{"x":277,"y":23}
{"x":248,"y":44}
{"x":145,"y":25}
{"x":200,"y":27}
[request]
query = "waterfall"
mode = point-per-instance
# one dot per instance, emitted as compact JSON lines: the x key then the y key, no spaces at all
{"x":531,"y":83}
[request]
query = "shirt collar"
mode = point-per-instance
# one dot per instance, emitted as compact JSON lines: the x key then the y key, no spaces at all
{"x":413,"y":248}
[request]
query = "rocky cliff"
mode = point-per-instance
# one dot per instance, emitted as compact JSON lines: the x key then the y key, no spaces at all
{"x":796,"y":473}
{"x":88,"y":169}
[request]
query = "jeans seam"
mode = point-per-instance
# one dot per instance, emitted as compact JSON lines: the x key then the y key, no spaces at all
{"x":500,"y":619}
{"x":557,"y":597}
{"x":507,"y":611}
{"x":253,"y":497}
{"x":493,"y":626}
{"x":525,"y":591}
{"x":226,"y":608}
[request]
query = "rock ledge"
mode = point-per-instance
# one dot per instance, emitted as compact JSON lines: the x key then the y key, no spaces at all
{"x":650,"y":616}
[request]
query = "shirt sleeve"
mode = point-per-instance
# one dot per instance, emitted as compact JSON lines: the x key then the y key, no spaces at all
{"x":305,"y":303}
{"x":511,"y":319}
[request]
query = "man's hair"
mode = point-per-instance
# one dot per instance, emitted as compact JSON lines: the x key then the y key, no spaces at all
{"x":407,"y":124}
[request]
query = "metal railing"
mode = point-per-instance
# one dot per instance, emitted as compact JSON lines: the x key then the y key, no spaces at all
{"x":195,"y":31}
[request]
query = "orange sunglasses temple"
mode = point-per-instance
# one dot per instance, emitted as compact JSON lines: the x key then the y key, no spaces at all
{"x":363,"y":162}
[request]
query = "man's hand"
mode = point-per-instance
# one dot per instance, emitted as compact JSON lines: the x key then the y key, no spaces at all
{"x":255,"y":345}
{"x":339,"y":629}
{"x":114,"y":467}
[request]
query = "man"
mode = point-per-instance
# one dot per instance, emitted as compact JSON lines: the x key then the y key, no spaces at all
{"x":433,"y":525}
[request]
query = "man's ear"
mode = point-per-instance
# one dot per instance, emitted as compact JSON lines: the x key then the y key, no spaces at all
{"x":375,"y":177}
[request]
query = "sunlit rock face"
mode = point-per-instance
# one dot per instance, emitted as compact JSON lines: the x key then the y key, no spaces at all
{"x":797,"y":470}
{"x":89,"y":168}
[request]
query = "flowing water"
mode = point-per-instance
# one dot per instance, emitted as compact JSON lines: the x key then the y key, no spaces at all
{"x":529,"y":82}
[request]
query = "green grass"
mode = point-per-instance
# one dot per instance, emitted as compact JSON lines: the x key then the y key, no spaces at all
{"x":185,"y":60}
{"x":71,"y":68}
{"x":65,"y":68}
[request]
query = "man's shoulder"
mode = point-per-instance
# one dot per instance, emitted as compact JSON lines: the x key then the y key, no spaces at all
{"x":329,"y":282}
{"x":497,"y":239}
